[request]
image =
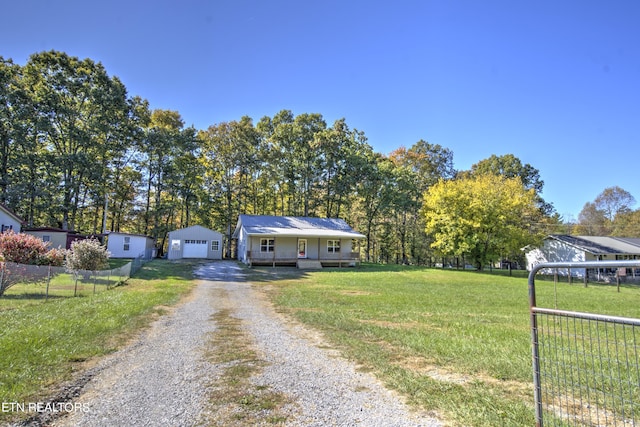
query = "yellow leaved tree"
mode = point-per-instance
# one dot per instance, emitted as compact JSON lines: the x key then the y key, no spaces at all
{"x":482,"y":218}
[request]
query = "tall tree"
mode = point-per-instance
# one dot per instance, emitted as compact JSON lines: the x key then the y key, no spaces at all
{"x":164,"y":141}
{"x":229,"y":153}
{"x":598,"y":218}
{"x":296,"y":140}
{"x":342,"y":156}
{"x":417,"y":168}
{"x":627,"y":224}
{"x":613,"y":201}
{"x":592,"y":221}
{"x":510,"y":166}
{"x":9,"y":82}
{"x":430,"y":162}
{"x":482,"y":218}
{"x":76,"y":105}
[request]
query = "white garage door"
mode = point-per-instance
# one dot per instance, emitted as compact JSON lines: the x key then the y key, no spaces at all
{"x":195,"y":249}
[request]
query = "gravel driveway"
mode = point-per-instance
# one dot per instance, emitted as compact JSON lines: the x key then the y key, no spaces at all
{"x":164,"y":378}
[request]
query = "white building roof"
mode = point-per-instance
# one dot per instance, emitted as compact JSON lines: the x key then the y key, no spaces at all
{"x":602,"y":245}
{"x":293,"y":226}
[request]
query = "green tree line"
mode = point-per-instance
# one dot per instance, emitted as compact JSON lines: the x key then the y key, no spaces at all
{"x":77,"y":152}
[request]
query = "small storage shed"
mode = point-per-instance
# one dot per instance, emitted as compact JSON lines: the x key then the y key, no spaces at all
{"x":195,"y":242}
{"x":126,"y":245}
{"x":57,"y":237}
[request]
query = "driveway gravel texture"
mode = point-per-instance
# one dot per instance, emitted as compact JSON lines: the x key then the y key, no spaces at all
{"x":166,"y":379}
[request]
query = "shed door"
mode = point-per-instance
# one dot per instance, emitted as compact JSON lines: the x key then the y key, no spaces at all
{"x":195,"y":249}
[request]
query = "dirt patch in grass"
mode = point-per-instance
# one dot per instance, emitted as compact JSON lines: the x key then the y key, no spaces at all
{"x":355,"y":293}
{"x":421,"y":366}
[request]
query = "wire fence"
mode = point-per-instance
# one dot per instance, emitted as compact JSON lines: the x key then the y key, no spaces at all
{"x":55,"y":282}
{"x":586,"y":366}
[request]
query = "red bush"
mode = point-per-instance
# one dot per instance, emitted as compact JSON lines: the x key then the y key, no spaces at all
{"x":27,"y":249}
{"x":21,"y":248}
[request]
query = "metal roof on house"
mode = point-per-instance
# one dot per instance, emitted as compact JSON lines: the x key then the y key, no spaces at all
{"x":601,"y":245}
{"x":295,"y":226}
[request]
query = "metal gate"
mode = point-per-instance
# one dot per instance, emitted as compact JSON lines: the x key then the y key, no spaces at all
{"x":586,"y":366}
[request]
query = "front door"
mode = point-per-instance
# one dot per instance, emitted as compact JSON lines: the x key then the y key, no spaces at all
{"x":302,"y":248}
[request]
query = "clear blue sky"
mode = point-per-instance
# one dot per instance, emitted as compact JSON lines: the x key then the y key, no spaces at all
{"x":556,"y":83}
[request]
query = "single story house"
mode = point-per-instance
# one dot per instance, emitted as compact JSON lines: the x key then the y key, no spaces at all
{"x":57,"y":237}
{"x":195,"y":242}
{"x":565,"y":248}
{"x":303,"y":241}
{"x":9,"y":220}
{"x":126,"y":245}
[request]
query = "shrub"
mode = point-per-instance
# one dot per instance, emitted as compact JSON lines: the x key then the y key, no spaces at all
{"x":26,"y":249}
{"x":19,"y":249}
{"x":87,"y":255}
{"x":53,"y":257}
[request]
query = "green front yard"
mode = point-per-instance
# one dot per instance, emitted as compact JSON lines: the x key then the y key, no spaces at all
{"x":456,"y":343}
{"x":43,"y":343}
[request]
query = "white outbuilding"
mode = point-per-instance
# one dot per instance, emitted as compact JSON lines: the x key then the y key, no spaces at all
{"x":127,"y":245}
{"x":195,"y":242}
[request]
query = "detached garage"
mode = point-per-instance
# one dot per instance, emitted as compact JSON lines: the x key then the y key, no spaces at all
{"x":195,"y":242}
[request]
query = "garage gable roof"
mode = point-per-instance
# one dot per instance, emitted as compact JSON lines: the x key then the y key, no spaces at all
{"x":295,"y":226}
{"x":195,"y":232}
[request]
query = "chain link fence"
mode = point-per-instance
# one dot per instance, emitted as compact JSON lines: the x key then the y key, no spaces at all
{"x":55,"y":282}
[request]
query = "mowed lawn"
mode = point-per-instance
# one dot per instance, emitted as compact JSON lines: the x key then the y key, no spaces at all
{"x":43,"y":343}
{"x":454,"y":343}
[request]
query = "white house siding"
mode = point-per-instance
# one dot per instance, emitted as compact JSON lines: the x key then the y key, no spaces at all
{"x":556,"y":251}
{"x":9,"y":222}
{"x":195,"y":235}
{"x":123,"y":245}
{"x":286,"y":232}
{"x":286,"y":248}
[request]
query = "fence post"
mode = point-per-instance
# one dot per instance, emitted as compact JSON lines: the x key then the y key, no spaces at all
{"x":2,"y":267}
{"x":46,"y":298}
{"x":75,"y":288}
{"x":95,"y":280}
{"x":586,"y":276}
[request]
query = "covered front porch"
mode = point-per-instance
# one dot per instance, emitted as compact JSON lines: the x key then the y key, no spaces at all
{"x":307,"y":252}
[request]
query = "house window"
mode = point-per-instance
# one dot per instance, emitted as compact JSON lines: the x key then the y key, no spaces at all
{"x":46,"y":238}
{"x":215,"y":245}
{"x":267,"y":245}
{"x":175,"y":245}
{"x":127,"y":242}
{"x":6,"y":228}
{"x":333,"y":246}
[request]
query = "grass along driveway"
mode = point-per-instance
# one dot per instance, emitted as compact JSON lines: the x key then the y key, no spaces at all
{"x":44,"y":343}
{"x":453,"y":342}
